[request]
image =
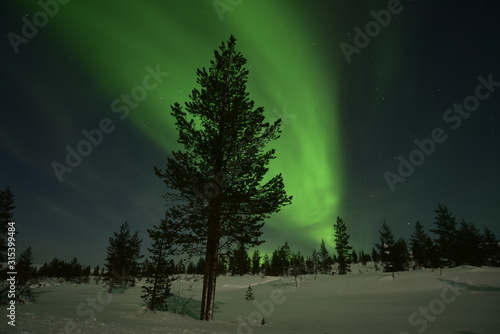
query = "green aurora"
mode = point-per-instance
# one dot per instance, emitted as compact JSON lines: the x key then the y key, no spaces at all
{"x":114,"y":42}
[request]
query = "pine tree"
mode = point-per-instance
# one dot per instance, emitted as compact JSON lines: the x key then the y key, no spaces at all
{"x":422,"y":247}
{"x":215,"y":187}
{"x":342,"y":246}
{"x":249,"y":294}
{"x":400,"y":256}
{"x":123,"y":254}
{"x":297,"y":264}
{"x":86,"y":274}
{"x":468,"y":248}
{"x":180,"y":268}
{"x":256,"y":262}
{"x":6,"y":215}
{"x":75,"y":271}
{"x":324,"y":256}
{"x":191,"y":268}
{"x":446,"y":230}
{"x":315,"y":262}
{"x":25,"y":269}
{"x":26,"y":273}
{"x":490,"y":247}
{"x":297,"y":261}
{"x":159,"y":270}
{"x":385,"y":247}
{"x":239,"y":263}
{"x":354,"y":256}
{"x":266,"y":265}
{"x":280,"y":260}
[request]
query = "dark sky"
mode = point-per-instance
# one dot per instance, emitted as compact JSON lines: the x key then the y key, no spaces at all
{"x":349,"y":121}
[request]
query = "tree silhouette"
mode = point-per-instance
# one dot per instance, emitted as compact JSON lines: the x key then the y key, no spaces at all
{"x":26,"y":273}
{"x":342,"y":246}
{"x":123,"y":254}
{"x":422,"y":247}
{"x":216,"y":196}
{"x":255,"y":262}
{"x":446,"y":230}
{"x":158,"y":271}
{"x":239,"y":263}
{"x":490,"y":247}
{"x":468,"y":249}
{"x":280,"y":260}
{"x":324,"y":256}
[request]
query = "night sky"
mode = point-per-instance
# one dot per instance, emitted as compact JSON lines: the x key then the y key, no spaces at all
{"x":352,"y":110}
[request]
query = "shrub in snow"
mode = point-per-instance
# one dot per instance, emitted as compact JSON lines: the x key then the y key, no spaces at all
{"x":249,"y":294}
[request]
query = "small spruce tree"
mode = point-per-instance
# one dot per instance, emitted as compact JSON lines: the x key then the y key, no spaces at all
{"x":158,"y":271}
{"x":249,"y":293}
{"x":26,"y":274}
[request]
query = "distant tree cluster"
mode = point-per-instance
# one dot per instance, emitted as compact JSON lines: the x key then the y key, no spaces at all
{"x":71,"y":271}
{"x":454,"y":244}
{"x":283,"y":261}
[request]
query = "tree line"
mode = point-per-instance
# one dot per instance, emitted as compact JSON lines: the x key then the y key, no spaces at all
{"x":454,"y":243}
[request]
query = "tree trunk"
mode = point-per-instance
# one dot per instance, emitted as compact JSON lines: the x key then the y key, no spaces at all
{"x":209,"y":281}
{"x":210,"y":274}
{"x":213,"y":239}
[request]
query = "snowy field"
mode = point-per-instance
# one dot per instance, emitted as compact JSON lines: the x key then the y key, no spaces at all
{"x":465,"y":300}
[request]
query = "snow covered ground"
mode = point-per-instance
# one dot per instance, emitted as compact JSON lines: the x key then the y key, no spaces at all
{"x":464,"y":300}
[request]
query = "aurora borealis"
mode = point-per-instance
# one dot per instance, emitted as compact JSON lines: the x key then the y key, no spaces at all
{"x":343,"y":123}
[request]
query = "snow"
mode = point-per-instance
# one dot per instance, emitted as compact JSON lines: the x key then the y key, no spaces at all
{"x":462,"y":300}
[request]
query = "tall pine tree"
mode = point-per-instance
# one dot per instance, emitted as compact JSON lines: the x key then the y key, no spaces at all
{"x":342,"y":246}
{"x":216,"y":193}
